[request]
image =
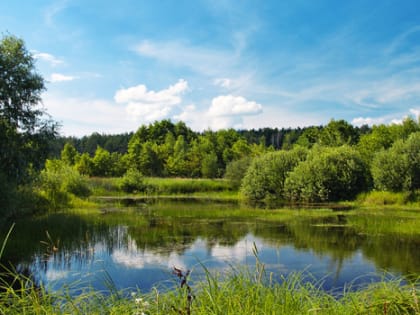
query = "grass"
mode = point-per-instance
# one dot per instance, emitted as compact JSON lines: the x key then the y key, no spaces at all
{"x":387,"y":198}
{"x":385,"y":221}
{"x":239,"y":292}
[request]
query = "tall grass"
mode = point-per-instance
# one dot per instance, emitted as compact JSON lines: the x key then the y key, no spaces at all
{"x":239,"y":292}
{"x":388,"y":198}
{"x":163,"y":186}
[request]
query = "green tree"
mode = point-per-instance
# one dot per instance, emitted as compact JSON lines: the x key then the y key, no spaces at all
{"x":398,"y":168}
{"x":337,"y":133}
{"x":102,"y":162}
{"x":177,"y":163}
{"x":209,"y":165}
{"x":69,"y":154}
{"x":309,"y":137}
{"x":236,"y":170}
{"x":380,"y":138}
{"x":59,"y":182}
{"x":24,"y":132}
{"x":328,"y":174}
{"x":84,"y":165}
{"x":265,"y":177}
{"x":148,"y":162}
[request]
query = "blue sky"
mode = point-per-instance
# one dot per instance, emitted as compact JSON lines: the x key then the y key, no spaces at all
{"x":112,"y":66}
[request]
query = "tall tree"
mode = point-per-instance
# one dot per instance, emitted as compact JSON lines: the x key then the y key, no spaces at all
{"x":24,"y":131}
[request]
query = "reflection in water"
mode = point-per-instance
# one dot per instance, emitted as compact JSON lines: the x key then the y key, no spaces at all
{"x":139,"y":248}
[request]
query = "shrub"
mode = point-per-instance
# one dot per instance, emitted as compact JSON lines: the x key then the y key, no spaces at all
{"x":132,"y":181}
{"x":236,"y":170}
{"x":59,"y":182}
{"x":381,"y":198}
{"x":264,"y":180}
{"x":329,"y":174}
{"x":398,"y":168}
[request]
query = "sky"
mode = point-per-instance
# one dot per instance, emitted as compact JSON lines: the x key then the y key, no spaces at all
{"x":112,"y":66}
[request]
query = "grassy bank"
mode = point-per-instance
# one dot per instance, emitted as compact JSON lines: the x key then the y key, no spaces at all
{"x":153,"y":186}
{"x":240,"y":292}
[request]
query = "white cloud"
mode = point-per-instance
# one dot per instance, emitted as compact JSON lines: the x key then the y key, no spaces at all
{"x":55,"y":275}
{"x":146,"y":106}
{"x":387,"y":119}
{"x":83,"y":116}
{"x":238,"y":252}
{"x":58,"y":77}
{"x":223,"y":82}
{"x":53,"y":10}
{"x":359,"y":121}
{"x":133,"y":257}
{"x":229,"y":105}
{"x":139,"y":93}
{"x":52,"y":60}
{"x":207,"y":61}
{"x":415,"y":112}
{"x":227,"y":111}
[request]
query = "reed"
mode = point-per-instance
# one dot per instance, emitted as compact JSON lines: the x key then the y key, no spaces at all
{"x":240,"y":291}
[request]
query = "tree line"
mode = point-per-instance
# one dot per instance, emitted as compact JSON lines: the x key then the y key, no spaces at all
{"x":314,"y":164}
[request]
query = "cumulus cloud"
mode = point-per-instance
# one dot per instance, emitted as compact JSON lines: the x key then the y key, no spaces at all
{"x":58,"y":77}
{"x":140,"y":94}
{"x":52,"y":60}
{"x":229,"y":105}
{"x":146,"y":105}
{"x":227,"y":111}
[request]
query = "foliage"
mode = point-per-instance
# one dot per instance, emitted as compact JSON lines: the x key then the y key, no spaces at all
{"x":69,"y":154}
{"x":382,"y":198}
{"x":236,"y":170}
{"x":398,"y":168}
{"x":264,"y":179}
{"x":328,"y":174}
{"x":59,"y":182}
{"x":84,"y":165}
{"x":132,"y":181}
{"x":338,"y":133}
{"x":168,"y":186}
{"x":24,"y":132}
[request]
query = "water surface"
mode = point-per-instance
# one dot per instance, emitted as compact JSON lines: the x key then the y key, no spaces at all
{"x":138,"y":246}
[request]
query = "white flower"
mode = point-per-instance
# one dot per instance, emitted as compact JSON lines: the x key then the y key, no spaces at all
{"x":138,"y":300}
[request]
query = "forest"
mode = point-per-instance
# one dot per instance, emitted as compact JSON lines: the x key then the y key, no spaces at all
{"x":269,"y":166}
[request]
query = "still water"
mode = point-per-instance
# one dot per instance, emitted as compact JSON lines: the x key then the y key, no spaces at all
{"x":138,"y":247}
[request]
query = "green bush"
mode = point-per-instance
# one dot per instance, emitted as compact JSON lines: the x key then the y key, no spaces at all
{"x":132,"y":181}
{"x":381,"y":198}
{"x":329,"y":174}
{"x":59,"y":182}
{"x":264,"y":180}
{"x":398,"y":168}
{"x":236,"y":170}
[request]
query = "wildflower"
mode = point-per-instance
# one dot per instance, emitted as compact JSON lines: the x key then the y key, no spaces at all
{"x":138,"y":300}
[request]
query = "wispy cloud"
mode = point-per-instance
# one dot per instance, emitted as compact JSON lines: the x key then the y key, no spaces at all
{"x":207,"y":61}
{"x":54,"y":9}
{"x":84,"y":115}
{"x":51,"y":59}
{"x":58,"y":77}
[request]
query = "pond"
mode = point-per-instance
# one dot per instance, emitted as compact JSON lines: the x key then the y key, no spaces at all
{"x":137,"y":246}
